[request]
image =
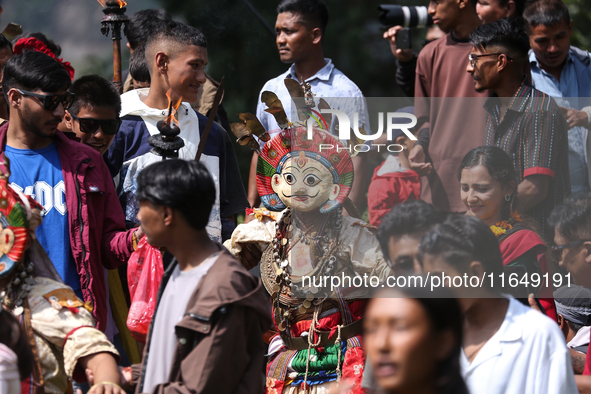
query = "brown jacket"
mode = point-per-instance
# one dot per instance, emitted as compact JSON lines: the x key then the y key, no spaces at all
{"x":219,"y":340}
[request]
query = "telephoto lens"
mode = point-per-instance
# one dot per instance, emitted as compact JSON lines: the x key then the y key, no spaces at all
{"x":400,"y":15}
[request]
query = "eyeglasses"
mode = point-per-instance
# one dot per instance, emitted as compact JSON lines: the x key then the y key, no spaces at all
{"x":91,"y":125}
{"x":557,"y":250}
{"x":51,"y":101}
{"x":472,"y":58}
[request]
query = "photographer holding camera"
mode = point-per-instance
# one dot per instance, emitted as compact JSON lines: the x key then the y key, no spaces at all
{"x":448,"y":128}
{"x":406,"y":58}
{"x":401,"y":18}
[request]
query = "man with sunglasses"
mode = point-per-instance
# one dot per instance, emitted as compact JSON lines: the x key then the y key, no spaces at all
{"x":524,"y":122}
{"x":94,"y":114}
{"x":572,"y":235}
{"x":83,"y":228}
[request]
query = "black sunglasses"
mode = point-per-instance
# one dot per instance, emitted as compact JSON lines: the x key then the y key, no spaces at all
{"x":91,"y":125}
{"x":557,"y":250}
{"x":51,"y":101}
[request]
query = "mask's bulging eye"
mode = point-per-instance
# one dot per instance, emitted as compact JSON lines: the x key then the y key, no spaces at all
{"x":289,"y":178}
{"x":311,"y":180}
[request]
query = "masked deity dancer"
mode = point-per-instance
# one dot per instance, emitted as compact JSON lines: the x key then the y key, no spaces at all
{"x":58,"y":326}
{"x":308,"y":245}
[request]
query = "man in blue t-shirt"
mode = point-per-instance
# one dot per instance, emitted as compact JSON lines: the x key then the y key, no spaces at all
{"x":38,"y":173}
{"x":83,"y":229}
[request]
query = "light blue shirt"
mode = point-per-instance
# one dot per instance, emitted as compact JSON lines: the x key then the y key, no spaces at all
{"x":328,"y":83}
{"x":573,"y":90}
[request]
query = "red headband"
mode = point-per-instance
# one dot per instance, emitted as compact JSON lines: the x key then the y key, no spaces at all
{"x":27,"y":44}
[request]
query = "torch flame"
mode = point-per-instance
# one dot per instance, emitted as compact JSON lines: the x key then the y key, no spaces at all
{"x":121,"y":3}
{"x":170,"y":118}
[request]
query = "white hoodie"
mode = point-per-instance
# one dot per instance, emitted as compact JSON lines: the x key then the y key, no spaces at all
{"x":131,"y":104}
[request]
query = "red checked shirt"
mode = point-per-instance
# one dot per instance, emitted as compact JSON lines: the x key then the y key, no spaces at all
{"x":534,"y":134}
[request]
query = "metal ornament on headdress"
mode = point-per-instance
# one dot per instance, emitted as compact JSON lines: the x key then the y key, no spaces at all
{"x":248,"y":127}
{"x":301,"y":97}
{"x":275,"y":108}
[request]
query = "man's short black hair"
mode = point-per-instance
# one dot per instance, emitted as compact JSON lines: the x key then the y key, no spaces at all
{"x":180,"y":33}
{"x":143,"y":23}
{"x":519,"y":6}
{"x":94,"y":91}
{"x":572,"y":218}
{"x":35,"y":70}
{"x":462,"y":239}
{"x":314,"y":13}
{"x":5,"y":42}
{"x":185,"y":186}
{"x":546,"y":13}
{"x":138,"y":66}
{"x":171,"y":35}
{"x":410,"y":217}
{"x":508,"y":33}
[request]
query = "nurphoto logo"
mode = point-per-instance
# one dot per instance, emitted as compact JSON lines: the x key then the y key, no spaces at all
{"x":392,"y":119}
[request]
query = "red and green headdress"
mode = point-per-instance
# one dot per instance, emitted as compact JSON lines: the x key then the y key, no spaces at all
{"x":294,"y":143}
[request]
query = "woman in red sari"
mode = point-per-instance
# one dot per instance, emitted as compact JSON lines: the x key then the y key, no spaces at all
{"x":489,"y":191}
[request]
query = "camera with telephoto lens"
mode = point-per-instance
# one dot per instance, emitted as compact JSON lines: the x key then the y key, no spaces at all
{"x":400,"y":15}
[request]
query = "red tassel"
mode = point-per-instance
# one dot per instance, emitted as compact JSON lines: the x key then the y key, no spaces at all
{"x":24,"y":44}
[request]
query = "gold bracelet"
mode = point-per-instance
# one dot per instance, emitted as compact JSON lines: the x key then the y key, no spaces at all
{"x":111,"y":383}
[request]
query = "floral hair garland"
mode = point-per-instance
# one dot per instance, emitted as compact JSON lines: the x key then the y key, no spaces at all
{"x":33,"y":44}
{"x":501,"y":227}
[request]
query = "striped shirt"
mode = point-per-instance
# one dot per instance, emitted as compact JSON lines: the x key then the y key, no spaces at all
{"x":534,"y":134}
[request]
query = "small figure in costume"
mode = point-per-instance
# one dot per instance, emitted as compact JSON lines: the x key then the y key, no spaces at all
{"x":58,"y":326}
{"x":303,"y":180}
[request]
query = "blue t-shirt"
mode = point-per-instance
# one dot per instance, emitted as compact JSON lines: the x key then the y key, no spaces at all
{"x":38,"y":173}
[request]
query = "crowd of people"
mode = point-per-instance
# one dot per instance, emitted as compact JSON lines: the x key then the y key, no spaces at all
{"x":493,"y":185}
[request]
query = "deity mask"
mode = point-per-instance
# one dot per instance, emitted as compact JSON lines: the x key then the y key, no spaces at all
{"x":304,"y":174}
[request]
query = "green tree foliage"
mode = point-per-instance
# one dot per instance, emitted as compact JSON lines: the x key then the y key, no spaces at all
{"x":579,"y":13}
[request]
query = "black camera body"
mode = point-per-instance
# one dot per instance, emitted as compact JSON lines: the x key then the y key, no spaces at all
{"x":399,"y":15}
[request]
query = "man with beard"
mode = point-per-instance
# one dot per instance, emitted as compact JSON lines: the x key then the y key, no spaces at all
{"x":524,"y":122}
{"x":83,"y":229}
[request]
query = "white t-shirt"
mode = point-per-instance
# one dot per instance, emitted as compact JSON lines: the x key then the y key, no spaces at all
{"x":527,"y":355}
{"x":171,"y":309}
{"x":188,"y":122}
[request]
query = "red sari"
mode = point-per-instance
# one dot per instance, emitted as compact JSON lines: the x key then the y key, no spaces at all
{"x":515,"y":244}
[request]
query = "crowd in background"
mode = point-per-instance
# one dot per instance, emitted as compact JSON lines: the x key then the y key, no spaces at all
{"x":495,"y":184}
